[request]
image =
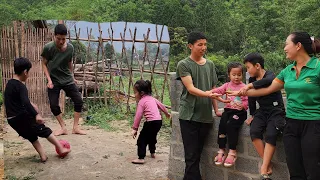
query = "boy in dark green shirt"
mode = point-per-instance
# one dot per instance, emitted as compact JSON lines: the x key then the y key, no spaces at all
{"x":57,"y":66}
{"x":195,"y":113}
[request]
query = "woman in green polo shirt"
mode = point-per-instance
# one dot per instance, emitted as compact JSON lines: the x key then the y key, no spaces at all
{"x":301,"y":81}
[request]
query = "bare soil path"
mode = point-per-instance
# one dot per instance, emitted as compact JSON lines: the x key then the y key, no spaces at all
{"x":99,"y":155}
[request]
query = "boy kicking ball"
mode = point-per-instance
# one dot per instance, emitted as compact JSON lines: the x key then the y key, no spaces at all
{"x":22,"y":115}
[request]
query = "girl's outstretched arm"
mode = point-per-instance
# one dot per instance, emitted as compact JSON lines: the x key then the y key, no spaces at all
{"x":162,"y":108}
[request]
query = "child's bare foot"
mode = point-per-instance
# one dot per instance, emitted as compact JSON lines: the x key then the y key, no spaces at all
{"x":264,"y":169}
{"x":219,"y":159}
{"x":138,"y":161}
{"x":231,"y":159}
{"x":153,"y":155}
{"x":64,"y":152}
{"x":44,"y":159}
{"x":78,"y":131}
{"x":61,"y":132}
{"x":270,"y":169}
{"x":220,"y":155}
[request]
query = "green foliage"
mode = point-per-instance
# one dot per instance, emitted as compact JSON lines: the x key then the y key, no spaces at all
{"x":178,"y":46}
{"x":133,"y":11}
{"x":28,"y":177}
{"x":274,"y":61}
{"x":108,"y":51}
{"x":308,"y":15}
{"x":178,"y":40}
{"x":230,"y":25}
{"x":97,"y":114}
{"x":221,"y":63}
{"x":175,"y":59}
{"x":80,"y":52}
{"x":101,"y":115}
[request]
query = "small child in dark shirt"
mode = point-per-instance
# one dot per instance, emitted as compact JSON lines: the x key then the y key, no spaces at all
{"x":22,"y":115}
{"x":269,"y":118}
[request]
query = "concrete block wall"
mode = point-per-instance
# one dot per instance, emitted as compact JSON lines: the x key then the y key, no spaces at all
{"x":247,"y":165}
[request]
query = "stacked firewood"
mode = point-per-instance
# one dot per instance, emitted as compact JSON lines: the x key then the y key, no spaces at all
{"x":90,"y":75}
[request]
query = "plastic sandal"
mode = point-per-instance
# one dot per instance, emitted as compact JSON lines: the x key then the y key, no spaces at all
{"x":219,"y":161}
{"x":229,"y":162}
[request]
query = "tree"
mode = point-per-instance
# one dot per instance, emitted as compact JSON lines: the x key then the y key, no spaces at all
{"x":133,"y":11}
{"x":178,"y":46}
{"x":108,"y":51}
{"x":307,"y":17}
{"x":79,"y":52}
{"x":178,"y":40}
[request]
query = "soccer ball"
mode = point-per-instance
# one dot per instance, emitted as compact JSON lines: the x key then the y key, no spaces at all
{"x":64,"y":144}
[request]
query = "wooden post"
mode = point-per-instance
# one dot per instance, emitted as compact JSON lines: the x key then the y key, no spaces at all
{"x":16,"y":42}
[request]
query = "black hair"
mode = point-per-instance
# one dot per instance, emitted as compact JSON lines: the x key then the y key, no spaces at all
{"x":195,"y":36}
{"x":311,"y":46}
{"x":60,"y":29}
{"x":254,"y":58}
{"x":21,"y":64}
{"x":143,"y":87}
{"x":234,"y":65}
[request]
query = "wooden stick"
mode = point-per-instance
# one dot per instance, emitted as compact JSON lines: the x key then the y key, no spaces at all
{"x":120,"y":40}
{"x":95,"y":71}
{"x":23,"y":49}
{"x":15,"y":27}
{"x":103,"y":65}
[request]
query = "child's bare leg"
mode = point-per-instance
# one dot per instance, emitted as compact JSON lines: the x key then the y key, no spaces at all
{"x":76,"y":128}
{"x":36,"y":144}
{"x":266,"y":164}
{"x":63,"y":130}
{"x":222,"y":143}
{"x":55,"y":142}
{"x":36,"y":108}
{"x":259,"y":146}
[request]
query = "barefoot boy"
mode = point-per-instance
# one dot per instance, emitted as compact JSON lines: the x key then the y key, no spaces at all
{"x":22,"y":115}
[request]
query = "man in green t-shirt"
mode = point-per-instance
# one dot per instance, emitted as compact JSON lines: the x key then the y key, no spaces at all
{"x":195,"y":113}
{"x":57,"y":66}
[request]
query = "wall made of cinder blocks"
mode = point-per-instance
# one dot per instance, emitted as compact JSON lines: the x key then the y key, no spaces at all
{"x":248,"y":163}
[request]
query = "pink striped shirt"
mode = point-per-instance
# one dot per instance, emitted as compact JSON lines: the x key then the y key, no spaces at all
{"x":230,"y":86}
{"x":148,"y":107}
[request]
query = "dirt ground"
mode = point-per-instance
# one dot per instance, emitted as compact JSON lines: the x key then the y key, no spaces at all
{"x":98,"y":155}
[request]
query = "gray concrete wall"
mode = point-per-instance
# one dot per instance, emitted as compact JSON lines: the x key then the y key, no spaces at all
{"x":247,"y":164}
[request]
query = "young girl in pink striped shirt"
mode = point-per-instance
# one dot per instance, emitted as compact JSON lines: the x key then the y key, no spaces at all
{"x":148,"y":107}
{"x":235,"y":113}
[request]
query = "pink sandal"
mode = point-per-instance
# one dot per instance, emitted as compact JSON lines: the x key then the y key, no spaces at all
{"x":219,"y":161}
{"x":229,"y":162}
